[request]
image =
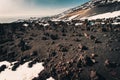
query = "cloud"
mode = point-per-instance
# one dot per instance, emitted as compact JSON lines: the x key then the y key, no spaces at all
{"x":17,"y":8}
{"x":9,"y":7}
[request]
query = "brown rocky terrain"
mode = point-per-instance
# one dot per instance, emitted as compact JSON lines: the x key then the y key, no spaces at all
{"x":69,"y":52}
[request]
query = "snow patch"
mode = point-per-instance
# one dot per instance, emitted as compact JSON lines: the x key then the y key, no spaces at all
{"x":55,"y":20}
{"x":78,"y":24}
{"x":104,"y":15}
{"x":22,"y":72}
{"x":25,"y":25}
{"x":116,"y":23}
{"x":72,"y":17}
{"x":50,"y":78}
{"x":46,"y":24}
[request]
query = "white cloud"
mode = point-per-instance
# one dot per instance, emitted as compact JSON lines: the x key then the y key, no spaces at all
{"x":17,"y":8}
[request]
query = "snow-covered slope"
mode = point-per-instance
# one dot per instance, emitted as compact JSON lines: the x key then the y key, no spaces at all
{"x":104,"y":15}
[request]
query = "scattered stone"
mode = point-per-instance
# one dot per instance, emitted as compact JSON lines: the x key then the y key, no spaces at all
{"x":86,"y":35}
{"x":93,"y":75}
{"x":91,"y":37}
{"x":52,"y":54}
{"x":22,"y":62}
{"x":54,"y":36}
{"x":94,"y":61}
{"x":81,"y":47}
{"x":109,"y":64}
{"x":2,"y":68}
{"x":15,"y":66}
{"x":113,"y":73}
{"x":31,"y":38}
{"x":93,"y":55}
{"x":79,"y":64}
{"x":104,"y":30}
{"x":44,"y":38}
{"x":47,"y":34}
{"x":63,"y":48}
{"x":24,"y":45}
{"x":34,"y":53}
{"x":77,"y":39}
{"x":11,"y":55}
{"x":88,"y":61}
{"x":25,"y":57}
{"x":32,"y":63}
{"x":97,"y":41}
{"x":63,"y":34}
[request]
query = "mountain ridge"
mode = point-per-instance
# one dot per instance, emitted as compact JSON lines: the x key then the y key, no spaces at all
{"x":90,"y":8}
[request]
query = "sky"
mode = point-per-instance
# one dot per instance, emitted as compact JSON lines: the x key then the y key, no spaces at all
{"x":33,"y":8}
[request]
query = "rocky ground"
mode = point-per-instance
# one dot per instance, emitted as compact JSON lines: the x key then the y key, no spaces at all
{"x":69,"y":52}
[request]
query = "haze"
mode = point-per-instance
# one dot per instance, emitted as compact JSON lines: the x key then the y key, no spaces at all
{"x":26,"y":8}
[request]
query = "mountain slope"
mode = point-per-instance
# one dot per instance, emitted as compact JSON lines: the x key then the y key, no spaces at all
{"x":91,"y":8}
